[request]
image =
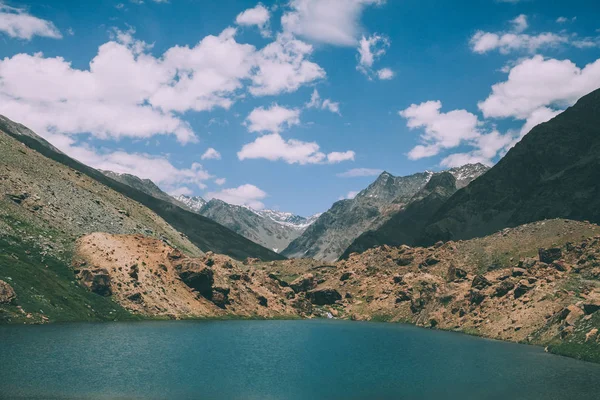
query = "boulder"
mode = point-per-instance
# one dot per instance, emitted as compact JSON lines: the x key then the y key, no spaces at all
{"x":97,"y":281}
{"x":402,"y":296}
{"x":549,"y":255}
{"x":518,"y":271}
{"x":590,"y":308}
{"x":404,"y":261}
{"x":197,"y":276}
{"x":345,"y":276}
{"x":220,"y":296}
{"x":324,"y":296}
{"x":304,"y":283}
{"x":573,"y":315}
{"x":476,"y":297}
{"x":480,"y":282}
{"x":503,"y":288}
{"x":521,"y":289}
{"x":7,"y":293}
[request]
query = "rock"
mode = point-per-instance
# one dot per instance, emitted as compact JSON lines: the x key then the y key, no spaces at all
{"x":304,"y":283}
{"x":133,"y":272}
{"x":480,"y":282}
{"x":404,"y":261}
{"x":438,"y":244}
{"x":398,"y":279}
{"x":97,"y":281}
{"x":549,"y":255}
{"x":220,"y":296}
{"x":262,"y":300}
{"x":198,"y":277}
{"x":135,"y":297}
{"x":7,"y":293}
{"x":521,"y":289}
{"x":590,"y":308}
{"x":280,"y":282}
{"x":503,"y":288}
{"x":303,"y":306}
{"x":518,"y":271}
{"x":235,"y":277}
{"x":559,"y":266}
{"x":431,"y":261}
{"x":18,"y":198}
{"x":573,"y":315}
{"x":175,"y":255}
{"x":345,"y":276}
{"x":324,"y":296}
{"x":476,"y":297}
{"x":591,"y":334}
{"x":416,"y":305}
{"x":402,"y":296}
{"x":251,"y":261}
{"x":455,"y":274}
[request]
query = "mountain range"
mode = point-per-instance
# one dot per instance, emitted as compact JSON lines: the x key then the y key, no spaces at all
{"x":335,"y":230}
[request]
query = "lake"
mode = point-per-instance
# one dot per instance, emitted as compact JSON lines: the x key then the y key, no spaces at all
{"x":278,"y":360}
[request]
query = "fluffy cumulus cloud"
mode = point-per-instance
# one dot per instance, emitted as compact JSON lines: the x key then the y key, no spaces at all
{"x":211,"y":154}
{"x":258,"y":16}
{"x":538,"y":83}
{"x":156,"y":168}
{"x":244,"y":195}
{"x":371,"y":49}
{"x":272,"y":120}
{"x":332,"y":22}
{"x":323,"y":104}
{"x":220,"y":181}
{"x":128,"y":92}
{"x":282,"y":67}
{"x":516,"y":40}
{"x":440,"y":130}
{"x":273,"y":147}
{"x":360,"y":172}
{"x":18,"y":23}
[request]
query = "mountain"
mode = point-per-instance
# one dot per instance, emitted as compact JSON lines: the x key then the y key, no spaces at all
{"x":144,"y":185}
{"x":204,"y":233}
{"x":335,"y":230}
{"x":194,"y":203}
{"x":268,"y":228}
{"x":553,"y":172}
{"x":406,"y":225}
{"x":271,"y":229}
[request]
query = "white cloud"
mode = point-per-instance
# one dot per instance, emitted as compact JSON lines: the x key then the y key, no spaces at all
{"x":536,"y":83}
{"x":326,"y":104}
{"x":335,"y":22}
{"x":385,"y":74}
{"x":515,"y":40}
{"x":282,"y":67}
{"x":369,"y":50}
{"x":272,"y":120}
{"x":211,"y":154}
{"x":258,"y":16}
{"x":520,"y":23}
{"x":18,"y":23}
{"x":360,"y":172}
{"x":441,"y":130}
{"x":156,"y":168}
{"x":244,"y":195}
{"x":274,"y":148}
{"x":340,"y":156}
{"x":128,"y":92}
{"x":220,"y":181}
{"x":562,"y":20}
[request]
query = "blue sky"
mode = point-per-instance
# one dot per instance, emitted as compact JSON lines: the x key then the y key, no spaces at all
{"x":302,"y":102}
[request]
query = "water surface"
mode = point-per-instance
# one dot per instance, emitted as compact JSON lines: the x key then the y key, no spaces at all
{"x":278,"y":360}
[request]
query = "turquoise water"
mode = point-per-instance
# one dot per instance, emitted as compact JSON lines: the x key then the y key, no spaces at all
{"x":278,"y":360}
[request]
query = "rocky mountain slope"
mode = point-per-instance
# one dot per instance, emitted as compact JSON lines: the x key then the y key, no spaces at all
{"x":271,"y":229}
{"x":331,"y":234}
{"x":194,"y":203}
{"x":267,"y":228}
{"x":553,"y":172}
{"x":144,"y":185}
{"x":407,"y":224}
{"x":204,"y":233}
